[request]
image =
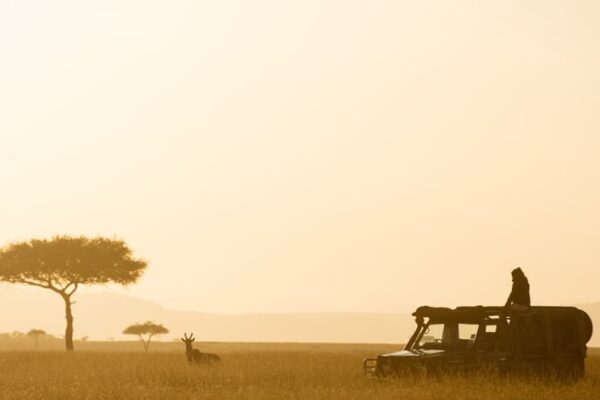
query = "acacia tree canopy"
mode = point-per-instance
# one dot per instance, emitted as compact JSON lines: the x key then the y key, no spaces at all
{"x":36,"y":332}
{"x":147,"y":328}
{"x":63,"y":263}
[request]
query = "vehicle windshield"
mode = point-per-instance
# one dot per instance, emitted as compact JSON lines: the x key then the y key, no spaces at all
{"x":448,"y":335}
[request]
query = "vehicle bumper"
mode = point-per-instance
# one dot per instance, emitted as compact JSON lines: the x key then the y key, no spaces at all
{"x":370,"y":366}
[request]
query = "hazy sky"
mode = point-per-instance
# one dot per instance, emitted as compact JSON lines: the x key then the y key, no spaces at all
{"x":311,"y":155}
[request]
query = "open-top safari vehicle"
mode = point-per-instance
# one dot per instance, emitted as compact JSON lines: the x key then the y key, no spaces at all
{"x":543,"y":339}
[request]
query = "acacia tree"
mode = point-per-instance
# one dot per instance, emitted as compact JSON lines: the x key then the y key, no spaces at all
{"x":149,"y":329}
{"x":35,"y":334}
{"x":63,"y":263}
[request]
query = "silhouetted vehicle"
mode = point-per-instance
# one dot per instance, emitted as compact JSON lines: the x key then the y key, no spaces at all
{"x":541,"y":340}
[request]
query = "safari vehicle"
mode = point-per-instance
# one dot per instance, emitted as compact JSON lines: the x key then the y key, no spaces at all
{"x":543,"y":339}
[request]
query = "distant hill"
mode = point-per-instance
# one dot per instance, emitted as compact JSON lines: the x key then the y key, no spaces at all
{"x":103,"y":316}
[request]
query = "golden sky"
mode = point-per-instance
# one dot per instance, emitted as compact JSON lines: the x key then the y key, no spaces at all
{"x":271,"y":156}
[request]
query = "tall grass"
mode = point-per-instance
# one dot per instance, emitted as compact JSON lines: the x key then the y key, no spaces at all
{"x":253,"y":372}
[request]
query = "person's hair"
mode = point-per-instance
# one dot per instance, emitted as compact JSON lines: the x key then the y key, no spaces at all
{"x":517,"y":273}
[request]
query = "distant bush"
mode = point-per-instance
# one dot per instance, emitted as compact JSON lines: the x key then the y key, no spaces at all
{"x":36,"y":334}
{"x":17,"y":340}
{"x":147,"y":329}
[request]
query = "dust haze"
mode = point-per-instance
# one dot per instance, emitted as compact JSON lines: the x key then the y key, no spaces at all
{"x":301,"y":171}
{"x":310,"y":157}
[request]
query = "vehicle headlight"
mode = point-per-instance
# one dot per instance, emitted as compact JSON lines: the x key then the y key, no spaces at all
{"x":371,"y":362}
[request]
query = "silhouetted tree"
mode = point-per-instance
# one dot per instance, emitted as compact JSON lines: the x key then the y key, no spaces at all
{"x":35,"y":334}
{"x":63,"y":263}
{"x":147,"y":329}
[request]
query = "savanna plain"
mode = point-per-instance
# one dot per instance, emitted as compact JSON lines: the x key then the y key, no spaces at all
{"x":120,"y":370}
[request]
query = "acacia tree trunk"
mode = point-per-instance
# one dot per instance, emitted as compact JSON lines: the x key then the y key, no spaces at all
{"x":69,"y":317}
{"x":146,"y":343}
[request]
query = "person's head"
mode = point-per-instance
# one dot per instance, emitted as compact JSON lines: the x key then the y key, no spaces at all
{"x":517,"y":274}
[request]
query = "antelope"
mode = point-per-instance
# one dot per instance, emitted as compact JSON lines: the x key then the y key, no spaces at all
{"x":195,"y":356}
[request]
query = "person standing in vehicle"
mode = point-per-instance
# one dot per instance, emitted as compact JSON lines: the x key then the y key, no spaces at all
{"x":518,"y":300}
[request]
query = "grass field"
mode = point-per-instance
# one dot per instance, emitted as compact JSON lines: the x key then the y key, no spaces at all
{"x":250,"y":371}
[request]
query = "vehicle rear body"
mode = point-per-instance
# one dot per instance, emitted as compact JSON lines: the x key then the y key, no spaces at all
{"x":542,"y":339}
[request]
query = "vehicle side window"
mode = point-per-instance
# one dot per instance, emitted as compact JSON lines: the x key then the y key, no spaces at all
{"x":467,"y":331}
{"x":488,"y":338}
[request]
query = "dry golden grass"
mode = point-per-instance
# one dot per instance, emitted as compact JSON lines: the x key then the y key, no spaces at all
{"x":250,"y":371}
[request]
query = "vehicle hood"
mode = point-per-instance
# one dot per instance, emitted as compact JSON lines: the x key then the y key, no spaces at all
{"x":415,"y":353}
